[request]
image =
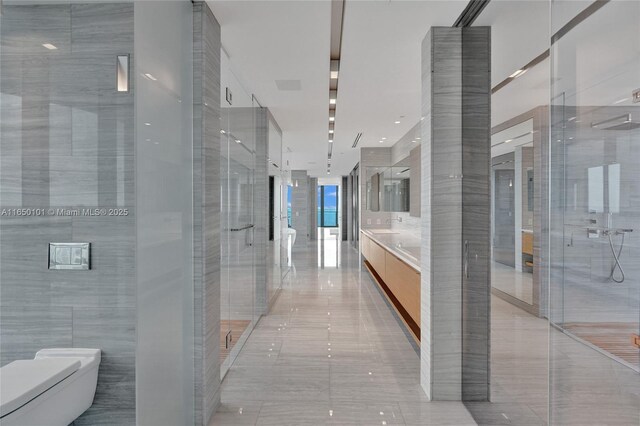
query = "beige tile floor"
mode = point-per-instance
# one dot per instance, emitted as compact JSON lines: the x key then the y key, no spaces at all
{"x":330,"y":352}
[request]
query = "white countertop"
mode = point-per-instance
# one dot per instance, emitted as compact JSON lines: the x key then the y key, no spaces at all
{"x":402,"y":244}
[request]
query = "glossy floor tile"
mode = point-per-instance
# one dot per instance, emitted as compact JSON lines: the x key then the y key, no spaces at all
{"x":331,"y":351}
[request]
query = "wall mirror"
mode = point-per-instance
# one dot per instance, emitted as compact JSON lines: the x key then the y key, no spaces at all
{"x":395,"y":191}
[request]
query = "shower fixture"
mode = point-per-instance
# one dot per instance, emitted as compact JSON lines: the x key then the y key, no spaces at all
{"x":609,"y":233}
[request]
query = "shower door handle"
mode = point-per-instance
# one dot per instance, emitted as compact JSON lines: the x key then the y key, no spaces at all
{"x":466,"y":258}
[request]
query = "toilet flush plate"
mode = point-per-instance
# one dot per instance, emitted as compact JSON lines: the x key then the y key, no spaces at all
{"x":69,"y":256}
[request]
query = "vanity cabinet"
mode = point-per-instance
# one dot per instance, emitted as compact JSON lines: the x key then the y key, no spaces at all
{"x":399,"y":281}
{"x":404,"y":283}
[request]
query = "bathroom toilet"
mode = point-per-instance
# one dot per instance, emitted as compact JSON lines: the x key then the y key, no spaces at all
{"x":52,"y":389}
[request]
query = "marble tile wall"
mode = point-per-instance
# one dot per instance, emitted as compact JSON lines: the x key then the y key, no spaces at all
{"x":313,"y":208}
{"x":541,"y":209}
{"x":261,"y":212}
{"x":455,"y":142}
{"x":476,"y":212}
{"x":300,"y":204}
{"x":67,"y":140}
{"x":346,"y":215}
{"x":206,"y":145}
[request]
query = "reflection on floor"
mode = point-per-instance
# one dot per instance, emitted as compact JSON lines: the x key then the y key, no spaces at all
{"x":515,"y":283}
{"x":613,"y":337}
{"x":237,"y":327}
{"x":519,"y":368}
{"x":329,"y":247}
{"x":330,"y":352}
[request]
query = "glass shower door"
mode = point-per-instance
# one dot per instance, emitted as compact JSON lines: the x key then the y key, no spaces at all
{"x":237,"y":169}
{"x":595,"y":216}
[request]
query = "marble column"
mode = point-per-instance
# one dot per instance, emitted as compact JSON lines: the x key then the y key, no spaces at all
{"x":455,"y":209}
{"x":206,"y":199}
{"x":300,"y":204}
{"x":313,"y":208}
{"x":261,"y":210}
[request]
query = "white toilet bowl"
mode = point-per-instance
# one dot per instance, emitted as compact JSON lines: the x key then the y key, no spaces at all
{"x":52,"y":389}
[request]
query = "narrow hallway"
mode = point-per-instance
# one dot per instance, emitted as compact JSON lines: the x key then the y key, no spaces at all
{"x":330,"y":352}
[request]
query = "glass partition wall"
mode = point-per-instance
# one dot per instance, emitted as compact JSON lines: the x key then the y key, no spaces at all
{"x":595,"y":217}
{"x":238,"y":231}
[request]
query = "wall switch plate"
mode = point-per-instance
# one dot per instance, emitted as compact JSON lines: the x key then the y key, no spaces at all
{"x":69,"y":256}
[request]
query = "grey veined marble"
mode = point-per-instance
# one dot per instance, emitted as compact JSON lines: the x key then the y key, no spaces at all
{"x":455,"y":213}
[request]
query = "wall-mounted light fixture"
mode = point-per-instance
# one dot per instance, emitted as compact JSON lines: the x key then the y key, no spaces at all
{"x":122,"y":73}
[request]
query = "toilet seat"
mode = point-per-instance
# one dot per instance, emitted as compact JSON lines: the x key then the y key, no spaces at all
{"x":22,"y":381}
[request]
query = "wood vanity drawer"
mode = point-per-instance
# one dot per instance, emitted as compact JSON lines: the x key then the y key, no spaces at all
{"x":404,"y":283}
{"x":377,"y":259}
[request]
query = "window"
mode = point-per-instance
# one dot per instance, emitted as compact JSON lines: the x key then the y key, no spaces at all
{"x":328,"y":206}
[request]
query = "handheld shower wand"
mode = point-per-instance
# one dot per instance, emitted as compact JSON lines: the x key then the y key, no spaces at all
{"x":616,"y":254}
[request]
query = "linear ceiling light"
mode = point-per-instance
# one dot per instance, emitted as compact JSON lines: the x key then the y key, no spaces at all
{"x":333,"y":96}
{"x":334,"y":68}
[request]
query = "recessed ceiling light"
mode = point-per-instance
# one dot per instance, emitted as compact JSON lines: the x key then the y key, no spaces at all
{"x":334,"y":75}
{"x":418,"y":139}
{"x":332,"y":101}
{"x":518,"y":73}
{"x":384,"y":139}
{"x":150,"y":77}
{"x":381,"y":141}
{"x":333,"y":95}
{"x":508,"y":140}
{"x":330,"y":130}
{"x":332,"y":119}
{"x":413,"y":141}
{"x":397,"y":122}
{"x":223,"y":132}
{"x":330,"y":140}
{"x":49,"y":46}
{"x":238,"y":141}
{"x":147,"y":124}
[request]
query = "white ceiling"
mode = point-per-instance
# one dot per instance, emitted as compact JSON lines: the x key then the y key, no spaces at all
{"x":379,"y":77}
